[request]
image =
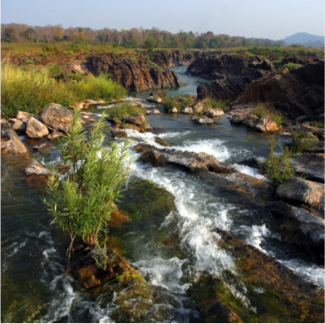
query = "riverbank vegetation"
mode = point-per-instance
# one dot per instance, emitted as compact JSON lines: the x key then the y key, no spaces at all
{"x":120,"y":111}
{"x":32,"y":91}
{"x":82,"y":202}
{"x":261,"y":110}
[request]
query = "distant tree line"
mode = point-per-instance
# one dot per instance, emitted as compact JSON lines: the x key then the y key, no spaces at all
{"x":132,"y":38}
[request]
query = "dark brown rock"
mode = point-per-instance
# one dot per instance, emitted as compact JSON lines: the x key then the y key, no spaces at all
{"x":161,"y":141}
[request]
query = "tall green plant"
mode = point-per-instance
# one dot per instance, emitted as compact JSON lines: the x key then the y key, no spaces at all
{"x":82,"y":202}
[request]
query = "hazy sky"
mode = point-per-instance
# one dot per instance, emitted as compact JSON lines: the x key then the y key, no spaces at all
{"x":274,"y":19}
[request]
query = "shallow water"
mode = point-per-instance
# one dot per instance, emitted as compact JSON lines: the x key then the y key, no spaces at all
{"x":33,"y":250}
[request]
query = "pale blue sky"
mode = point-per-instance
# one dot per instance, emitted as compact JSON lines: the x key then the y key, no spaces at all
{"x":274,"y":19}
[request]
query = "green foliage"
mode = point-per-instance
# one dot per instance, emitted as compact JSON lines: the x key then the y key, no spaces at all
{"x":277,"y":168}
{"x":133,"y":59}
{"x":29,"y":62}
{"x":68,"y":52}
{"x":31,"y":92}
{"x":54,"y":70}
{"x":38,"y":61}
{"x":170,"y":102}
{"x":150,"y":43}
{"x":101,"y":257}
{"x":44,"y":55}
{"x":261,"y":110}
{"x":288,"y":66}
{"x":300,"y":142}
{"x":82,"y":203}
{"x":223,"y":104}
{"x":77,"y":76}
{"x":119,"y":111}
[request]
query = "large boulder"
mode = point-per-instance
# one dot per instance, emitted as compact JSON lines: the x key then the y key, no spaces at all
{"x":35,"y":129}
{"x":57,"y":117}
{"x":300,"y":227}
{"x":23,"y":116}
{"x":267,"y":125}
{"x":302,"y":191}
{"x":11,"y":143}
{"x":187,"y":110}
{"x":136,"y":119}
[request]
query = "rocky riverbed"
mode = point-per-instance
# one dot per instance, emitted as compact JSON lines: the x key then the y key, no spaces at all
{"x":199,"y":234}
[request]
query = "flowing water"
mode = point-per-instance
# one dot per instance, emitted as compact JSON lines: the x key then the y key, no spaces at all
{"x":33,"y":250}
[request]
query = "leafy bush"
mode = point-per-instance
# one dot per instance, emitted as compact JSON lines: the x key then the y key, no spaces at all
{"x":82,"y":203}
{"x":54,"y":69}
{"x":223,"y":104}
{"x":277,"y":168}
{"x":31,"y":92}
{"x":124,"y":109}
{"x":261,"y":110}
{"x":300,"y":142}
{"x":68,"y":52}
{"x":288,"y":66}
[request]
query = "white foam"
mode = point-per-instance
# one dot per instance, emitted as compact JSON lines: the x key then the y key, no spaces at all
{"x":249,"y":171}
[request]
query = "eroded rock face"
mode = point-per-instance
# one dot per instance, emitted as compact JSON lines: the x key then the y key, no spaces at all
{"x":135,"y":76}
{"x":230,"y":74}
{"x":300,"y":227}
{"x":35,"y":129}
{"x":302,"y":191}
{"x":293,"y":92}
{"x":57,"y":117}
{"x":195,"y":162}
{"x":311,"y":165}
{"x":11,"y":144}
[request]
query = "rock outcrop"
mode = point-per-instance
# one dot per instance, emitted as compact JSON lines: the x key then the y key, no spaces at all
{"x":168,"y":60}
{"x":302,"y":191}
{"x":295,"y":92}
{"x":230,"y":74}
{"x":11,"y":144}
{"x":299,"y":227}
{"x":195,"y":162}
{"x":136,"y":74}
{"x":57,"y":117}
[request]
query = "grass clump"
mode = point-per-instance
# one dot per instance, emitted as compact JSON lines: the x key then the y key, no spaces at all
{"x":288,"y":66}
{"x":170,"y":102}
{"x":300,"y":142}
{"x":32,"y":91}
{"x":29,"y":62}
{"x":213,"y":103}
{"x":68,"y":52}
{"x":124,"y":109}
{"x":277,"y":169}
{"x":261,"y":110}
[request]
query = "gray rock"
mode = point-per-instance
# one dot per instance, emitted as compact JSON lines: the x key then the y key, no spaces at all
{"x":302,"y":191}
{"x":204,"y":120}
{"x":215,"y":112}
{"x":35,"y":129}
{"x":173,"y":110}
{"x":57,"y":117}
{"x":35,"y":169}
{"x":187,"y":110}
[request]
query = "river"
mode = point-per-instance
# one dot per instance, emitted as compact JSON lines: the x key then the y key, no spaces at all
{"x":33,"y":250}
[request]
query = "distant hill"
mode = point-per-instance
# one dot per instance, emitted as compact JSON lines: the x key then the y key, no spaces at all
{"x":305,"y":39}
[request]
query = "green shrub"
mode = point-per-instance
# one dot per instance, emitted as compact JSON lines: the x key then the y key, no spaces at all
{"x":29,"y":62}
{"x":277,"y":169}
{"x":44,"y":55}
{"x":133,"y":59}
{"x":288,"y":66}
{"x":170,"y":102}
{"x":31,"y":92}
{"x":261,"y":110}
{"x":68,"y":52}
{"x":38,"y":61}
{"x":54,"y":69}
{"x":124,"y":109}
{"x":81,"y":204}
{"x":77,"y":76}
{"x":300,"y":142}
{"x":223,"y":104}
